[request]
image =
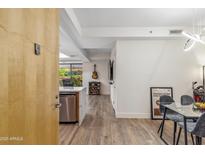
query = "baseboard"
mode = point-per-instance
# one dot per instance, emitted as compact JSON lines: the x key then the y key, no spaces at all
{"x":133,"y":115}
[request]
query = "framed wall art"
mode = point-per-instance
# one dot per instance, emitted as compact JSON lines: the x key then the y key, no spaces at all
{"x":155,"y":93}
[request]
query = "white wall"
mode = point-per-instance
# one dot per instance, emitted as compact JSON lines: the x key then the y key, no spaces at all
{"x":142,"y":64}
{"x":102,"y":70}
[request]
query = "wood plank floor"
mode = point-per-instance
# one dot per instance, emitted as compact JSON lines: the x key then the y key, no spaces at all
{"x":101,"y":127}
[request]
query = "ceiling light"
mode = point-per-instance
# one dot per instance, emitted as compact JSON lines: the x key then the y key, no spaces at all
{"x":194,"y":37}
{"x":189,"y":44}
{"x":62,"y":55}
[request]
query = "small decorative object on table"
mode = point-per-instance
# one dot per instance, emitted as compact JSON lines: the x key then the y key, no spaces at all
{"x":198,"y":92}
{"x":199,"y":106}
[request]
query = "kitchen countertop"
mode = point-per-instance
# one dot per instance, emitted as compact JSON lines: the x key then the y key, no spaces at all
{"x":71,"y":89}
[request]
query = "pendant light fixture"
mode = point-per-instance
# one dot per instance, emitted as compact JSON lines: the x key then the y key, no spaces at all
{"x":195,"y":36}
{"x":189,"y":44}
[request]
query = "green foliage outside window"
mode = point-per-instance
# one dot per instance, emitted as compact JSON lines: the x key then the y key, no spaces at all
{"x":72,"y":72}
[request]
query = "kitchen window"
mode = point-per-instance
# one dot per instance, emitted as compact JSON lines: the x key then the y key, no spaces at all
{"x":70,"y":74}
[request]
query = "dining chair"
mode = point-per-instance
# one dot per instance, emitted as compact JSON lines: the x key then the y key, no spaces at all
{"x":171,"y":115}
{"x":195,"y":128}
{"x":164,"y":100}
{"x":186,"y":100}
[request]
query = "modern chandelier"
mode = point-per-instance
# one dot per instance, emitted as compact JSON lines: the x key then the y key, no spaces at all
{"x":196,"y":35}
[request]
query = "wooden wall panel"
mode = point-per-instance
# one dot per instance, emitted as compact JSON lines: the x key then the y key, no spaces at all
{"x":29,"y":83}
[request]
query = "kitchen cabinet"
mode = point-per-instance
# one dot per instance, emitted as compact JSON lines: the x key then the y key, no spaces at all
{"x":82,"y":105}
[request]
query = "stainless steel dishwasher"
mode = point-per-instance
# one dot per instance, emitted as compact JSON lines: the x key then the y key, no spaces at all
{"x":68,"y":109}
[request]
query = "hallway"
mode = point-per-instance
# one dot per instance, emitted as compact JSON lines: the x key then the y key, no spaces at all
{"x":101,"y":127}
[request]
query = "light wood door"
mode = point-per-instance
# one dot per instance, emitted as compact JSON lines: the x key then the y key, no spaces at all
{"x":28,"y":82}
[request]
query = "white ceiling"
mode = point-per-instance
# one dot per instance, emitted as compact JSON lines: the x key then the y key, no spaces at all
{"x":141,"y":17}
{"x":89,"y":32}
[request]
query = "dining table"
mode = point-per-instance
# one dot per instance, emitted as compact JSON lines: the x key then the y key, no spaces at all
{"x":186,"y":111}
